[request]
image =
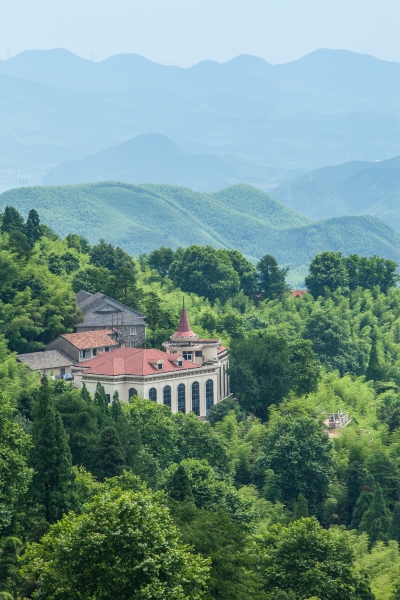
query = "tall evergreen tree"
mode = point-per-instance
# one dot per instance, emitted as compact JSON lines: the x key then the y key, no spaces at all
{"x":85,"y":394}
{"x":355,"y":475}
{"x":116,"y":409}
{"x":109,"y":455}
{"x":12,"y":221}
{"x":374,"y":370}
{"x":375,"y":521}
{"x":53,"y":478}
{"x":272,"y":280}
{"x":271,"y":491}
{"x":394,"y":529}
{"x":362,"y":505}
{"x":301,"y":508}
{"x":181,"y":489}
{"x":32,"y":227}
{"x":100,"y":398}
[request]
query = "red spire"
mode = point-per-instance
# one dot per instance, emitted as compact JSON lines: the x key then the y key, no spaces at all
{"x":184,"y":330}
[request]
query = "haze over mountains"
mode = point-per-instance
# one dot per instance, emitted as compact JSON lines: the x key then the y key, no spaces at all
{"x":154,"y":158}
{"x":353,"y":188}
{"x":328,"y":107}
{"x":142,"y":218}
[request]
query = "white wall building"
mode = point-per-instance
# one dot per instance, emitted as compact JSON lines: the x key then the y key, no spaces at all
{"x":190,"y":376}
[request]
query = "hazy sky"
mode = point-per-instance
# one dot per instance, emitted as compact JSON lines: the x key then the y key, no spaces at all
{"x":184,"y":32}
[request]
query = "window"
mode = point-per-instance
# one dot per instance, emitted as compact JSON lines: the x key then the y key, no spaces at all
{"x":209,"y":394}
{"x":132,"y":344}
{"x":132,"y":331}
{"x":153,"y":394}
{"x":167,"y":395}
{"x":94,"y":352}
{"x":108,"y":398}
{"x":196,"y":398}
{"x":132,"y":392}
{"x":198,"y":353}
{"x":107,"y":349}
{"x":62,"y":371}
{"x":84,"y":353}
{"x":180,"y":362}
{"x":159,"y":366}
{"x":181,"y":398}
{"x":187,"y":355}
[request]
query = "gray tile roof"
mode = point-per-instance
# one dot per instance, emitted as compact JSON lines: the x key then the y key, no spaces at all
{"x":48,"y":359}
{"x":100,"y":310}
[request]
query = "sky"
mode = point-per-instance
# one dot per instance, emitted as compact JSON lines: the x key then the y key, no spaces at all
{"x":184,"y":32}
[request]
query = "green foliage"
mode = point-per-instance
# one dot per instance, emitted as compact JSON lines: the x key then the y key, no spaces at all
{"x":265,"y":367}
{"x":53,"y":479}
{"x":272,"y":281}
{"x":83,"y":557}
{"x":376,"y":519}
{"x":109,"y":456}
{"x":180,"y":488}
{"x":330,"y":271}
{"x":14,"y":472}
{"x":206,"y":272}
{"x":300,"y":454}
{"x":306,"y":560}
{"x":301,"y":508}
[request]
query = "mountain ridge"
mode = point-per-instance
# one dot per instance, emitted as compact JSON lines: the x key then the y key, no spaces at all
{"x":140,"y":218}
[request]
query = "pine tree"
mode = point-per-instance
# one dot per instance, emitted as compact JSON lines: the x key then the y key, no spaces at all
{"x":374,"y":370}
{"x":271,"y":491}
{"x":272,"y":280}
{"x":100,"y":398}
{"x":53,"y":479}
{"x":116,"y":409}
{"x":375,"y":521}
{"x":85,"y":394}
{"x":355,"y":476}
{"x":32,"y":227}
{"x":362,"y":505}
{"x":181,"y":489}
{"x":300,"y":508}
{"x":9,"y":567}
{"x":394,"y":529}
{"x":12,"y":221}
{"x":109,"y":455}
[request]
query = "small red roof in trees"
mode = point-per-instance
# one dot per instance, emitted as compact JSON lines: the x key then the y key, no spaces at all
{"x":298,"y":293}
{"x":184,"y":329}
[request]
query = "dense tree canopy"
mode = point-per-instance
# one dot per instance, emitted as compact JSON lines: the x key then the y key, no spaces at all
{"x":250,"y":474}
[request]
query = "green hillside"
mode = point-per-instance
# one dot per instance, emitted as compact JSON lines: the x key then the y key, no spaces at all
{"x":141,"y":218}
{"x":352,"y":188}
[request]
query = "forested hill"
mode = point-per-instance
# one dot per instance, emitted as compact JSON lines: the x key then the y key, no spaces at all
{"x":223,"y":504}
{"x":357,"y":187}
{"x":141,"y":218}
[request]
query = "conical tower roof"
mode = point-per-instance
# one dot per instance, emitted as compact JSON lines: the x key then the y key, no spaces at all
{"x":184,"y":330}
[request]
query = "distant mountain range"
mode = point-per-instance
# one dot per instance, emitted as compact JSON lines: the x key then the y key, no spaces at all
{"x":153,"y":158}
{"x":141,"y":218}
{"x":354,"y":188}
{"x":282,"y":121}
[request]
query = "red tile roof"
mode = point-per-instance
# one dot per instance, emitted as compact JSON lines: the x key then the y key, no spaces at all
{"x":222,"y":349}
{"x":91,"y":339}
{"x":184,"y":329}
{"x":298,"y":293}
{"x":134,"y":361}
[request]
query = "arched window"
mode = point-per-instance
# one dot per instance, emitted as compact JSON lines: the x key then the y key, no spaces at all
{"x":153,"y":394}
{"x":132,"y":392}
{"x":196,"y":398}
{"x":181,"y":398}
{"x":167,"y":395}
{"x":209,"y":394}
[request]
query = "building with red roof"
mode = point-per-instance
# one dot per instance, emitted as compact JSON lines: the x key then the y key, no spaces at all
{"x":190,"y":376}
